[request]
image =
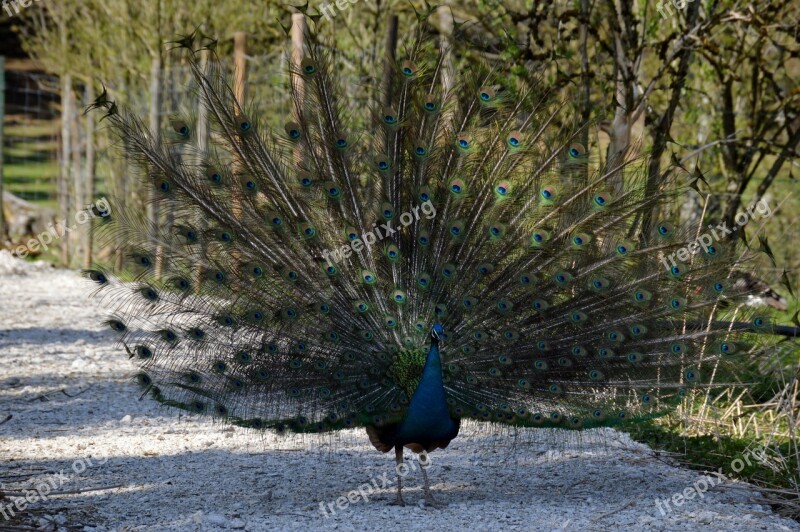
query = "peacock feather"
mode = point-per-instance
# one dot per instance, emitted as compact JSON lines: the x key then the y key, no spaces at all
{"x":454,"y":254}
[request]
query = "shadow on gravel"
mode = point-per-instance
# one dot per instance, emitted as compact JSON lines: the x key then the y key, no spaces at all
{"x":265,"y":487}
{"x":44,"y":336}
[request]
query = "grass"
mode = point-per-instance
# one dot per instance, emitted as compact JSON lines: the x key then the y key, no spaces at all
{"x":751,"y":435}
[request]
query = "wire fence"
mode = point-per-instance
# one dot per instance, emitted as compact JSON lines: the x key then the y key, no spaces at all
{"x":47,"y":136}
{"x":31,"y":133}
{"x":34,"y":115}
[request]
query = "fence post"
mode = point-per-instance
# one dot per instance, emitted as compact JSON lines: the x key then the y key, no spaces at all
{"x":446,"y":20}
{"x":76,"y":194}
{"x":2,"y":120}
{"x":240,"y":93}
{"x":298,"y":84}
{"x":64,"y":173}
{"x":88,"y":198}
{"x":121,"y":189}
{"x":388,"y":63}
{"x":240,"y":64}
{"x":153,"y":203}
{"x":202,"y":149}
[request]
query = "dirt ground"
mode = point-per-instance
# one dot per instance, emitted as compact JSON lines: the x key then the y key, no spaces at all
{"x":76,"y":430}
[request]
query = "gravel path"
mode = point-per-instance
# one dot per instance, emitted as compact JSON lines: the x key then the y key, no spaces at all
{"x":132,"y":465}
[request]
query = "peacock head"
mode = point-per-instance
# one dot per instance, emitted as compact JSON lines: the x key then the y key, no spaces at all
{"x":437,"y":332}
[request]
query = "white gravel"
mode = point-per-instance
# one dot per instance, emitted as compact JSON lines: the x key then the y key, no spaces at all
{"x":71,"y":397}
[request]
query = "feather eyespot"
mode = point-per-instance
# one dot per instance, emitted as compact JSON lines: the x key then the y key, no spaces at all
{"x":576,"y":150}
{"x":96,"y":276}
{"x":408,"y":68}
{"x":308,"y":66}
{"x":458,"y":187}
{"x":424,"y":280}
{"x":487,"y":94}
{"x":305,"y":179}
{"x":503,"y":188}
{"x":601,"y":200}
{"x":514,"y":140}
{"x":430,"y":104}
{"x":341,"y":141}
{"x":665,"y":229}
{"x":497,"y":231}
{"x":548,"y":193}
{"x":389,"y":116}
{"x":307,"y":231}
{"x":368,"y":277}
{"x":387,"y":211}
{"x":332,"y":190}
{"x":214,"y":176}
{"x":424,"y":194}
{"x":293,"y":130}
{"x":456,"y":228}
{"x":464,"y":142}
{"x":392,"y":252}
{"x":180,"y":127}
{"x":244,"y":124}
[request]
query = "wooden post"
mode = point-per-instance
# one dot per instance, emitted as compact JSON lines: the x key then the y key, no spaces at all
{"x":121,"y":188}
{"x":388,"y":62}
{"x":202,"y":149}
{"x":240,"y":65}
{"x":77,"y":184}
{"x":240,"y":93}
{"x":298,"y":38}
{"x":202,"y":115}
{"x":64,"y":173}
{"x":2,"y":119}
{"x":298,"y":84}
{"x":153,"y":203}
{"x":89,"y":171}
{"x":446,"y":18}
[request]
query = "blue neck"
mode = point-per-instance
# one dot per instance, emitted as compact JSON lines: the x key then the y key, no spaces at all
{"x":428,"y":417}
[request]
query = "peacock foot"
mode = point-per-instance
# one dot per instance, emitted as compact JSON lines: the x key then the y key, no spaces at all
{"x":397,"y":502}
{"x":430,"y":502}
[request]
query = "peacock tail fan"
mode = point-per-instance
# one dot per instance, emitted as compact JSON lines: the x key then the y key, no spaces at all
{"x":305,"y":262}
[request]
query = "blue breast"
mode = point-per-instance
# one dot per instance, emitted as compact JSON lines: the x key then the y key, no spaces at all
{"x":428,"y":419}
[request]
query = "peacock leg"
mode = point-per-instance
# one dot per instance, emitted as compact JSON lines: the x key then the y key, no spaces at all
{"x":429,"y":500}
{"x":398,"y":458}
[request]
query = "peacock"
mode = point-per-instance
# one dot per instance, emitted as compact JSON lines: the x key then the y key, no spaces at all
{"x":451,"y":251}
